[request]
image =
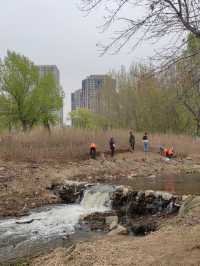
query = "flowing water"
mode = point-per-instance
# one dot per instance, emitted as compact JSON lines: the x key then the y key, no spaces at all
{"x":49,"y":226}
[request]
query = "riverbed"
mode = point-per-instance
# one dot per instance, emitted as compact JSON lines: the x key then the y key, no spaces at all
{"x":50,"y":226}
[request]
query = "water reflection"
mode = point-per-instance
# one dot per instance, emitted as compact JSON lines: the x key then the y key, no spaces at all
{"x":182,"y":184}
{"x":169,"y":184}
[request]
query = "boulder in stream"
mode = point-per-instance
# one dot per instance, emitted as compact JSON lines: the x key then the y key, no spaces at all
{"x":133,"y":203}
{"x":70,"y":191}
{"x":120,"y":230}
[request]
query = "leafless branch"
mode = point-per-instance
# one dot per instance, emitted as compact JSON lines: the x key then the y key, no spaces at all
{"x":158,"y":19}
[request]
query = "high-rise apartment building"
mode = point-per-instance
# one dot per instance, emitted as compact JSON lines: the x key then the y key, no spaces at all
{"x":89,"y":96}
{"x":76,"y":99}
{"x":53,"y":69}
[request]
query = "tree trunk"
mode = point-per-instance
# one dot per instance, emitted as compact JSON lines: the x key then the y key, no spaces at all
{"x":47,"y":126}
{"x":24,"y":126}
{"x":10,"y":127}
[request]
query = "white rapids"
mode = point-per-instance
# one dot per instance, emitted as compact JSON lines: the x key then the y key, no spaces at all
{"x":52,"y":221}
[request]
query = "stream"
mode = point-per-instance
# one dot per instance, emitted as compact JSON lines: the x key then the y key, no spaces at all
{"x":54,"y":226}
{"x":183,"y":184}
{"x":49,"y":226}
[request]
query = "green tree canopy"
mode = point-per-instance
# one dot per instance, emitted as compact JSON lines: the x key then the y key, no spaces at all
{"x":83,"y":118}
{"x":26,"y":99}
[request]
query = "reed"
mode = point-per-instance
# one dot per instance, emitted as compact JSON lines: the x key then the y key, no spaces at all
{"x":73,"y":144}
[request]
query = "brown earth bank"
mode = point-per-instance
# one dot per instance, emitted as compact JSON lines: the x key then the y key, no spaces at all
{"x":176,"y":243}
{"x":26,"y":185}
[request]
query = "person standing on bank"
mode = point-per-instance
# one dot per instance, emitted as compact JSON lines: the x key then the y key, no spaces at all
{"x":131,"y":141}
{"x":112,"y":146}
{"x":145,"y":142}
{"x":93,"y":150}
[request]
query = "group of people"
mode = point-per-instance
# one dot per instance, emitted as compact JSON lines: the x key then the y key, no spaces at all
{"x":167,"y":152}
{"x":112,"y":145}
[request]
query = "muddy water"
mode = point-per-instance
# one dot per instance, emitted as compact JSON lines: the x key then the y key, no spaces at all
{"x":181,"y":185}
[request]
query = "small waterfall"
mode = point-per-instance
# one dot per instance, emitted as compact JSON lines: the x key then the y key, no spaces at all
{"x":97,"y":198}
{"x":47,"y":225}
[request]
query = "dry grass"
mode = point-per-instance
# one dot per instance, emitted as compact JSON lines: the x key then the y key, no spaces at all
{"x":73,"y":144}
{"x":178,"y":245}
{"x":62,"y":145}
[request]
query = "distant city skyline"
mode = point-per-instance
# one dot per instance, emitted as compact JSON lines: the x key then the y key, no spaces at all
{"x":56,"y":32}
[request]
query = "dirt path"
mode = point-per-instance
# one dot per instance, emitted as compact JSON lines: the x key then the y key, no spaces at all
{"x":24,"y":185}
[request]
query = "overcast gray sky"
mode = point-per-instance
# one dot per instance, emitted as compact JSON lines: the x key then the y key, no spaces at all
{"x":56,"y":32}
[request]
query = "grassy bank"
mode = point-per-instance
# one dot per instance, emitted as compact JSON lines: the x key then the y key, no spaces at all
{"x":73,"y":144}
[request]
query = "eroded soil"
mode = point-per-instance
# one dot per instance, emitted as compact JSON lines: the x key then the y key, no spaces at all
{"x":25,"y":185}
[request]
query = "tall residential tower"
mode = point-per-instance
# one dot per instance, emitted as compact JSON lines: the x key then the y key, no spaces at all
{"x":89,"y":96}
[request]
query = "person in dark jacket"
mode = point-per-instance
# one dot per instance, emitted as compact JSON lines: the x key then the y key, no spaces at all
{"x":112,"y":146}
{"x":132,"y":141}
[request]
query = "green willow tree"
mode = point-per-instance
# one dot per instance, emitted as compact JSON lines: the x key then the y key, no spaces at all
{"x":83,"y":118}
{"x":18,"y":77}
{"x":48,"y":101}
{"x":25,"y":98}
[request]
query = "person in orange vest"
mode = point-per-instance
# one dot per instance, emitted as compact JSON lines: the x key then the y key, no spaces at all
{"x":93,"y":150}
{"x":167,"y":152}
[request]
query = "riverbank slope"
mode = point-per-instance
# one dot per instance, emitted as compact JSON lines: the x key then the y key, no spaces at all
{"x":176,"y":243}
{"x":26,"y":185}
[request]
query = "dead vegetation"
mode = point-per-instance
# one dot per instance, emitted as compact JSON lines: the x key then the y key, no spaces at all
{"x":176,"y":243}
{"x":73,"y":144}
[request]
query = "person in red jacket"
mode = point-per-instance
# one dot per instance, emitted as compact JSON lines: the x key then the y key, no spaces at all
{"x":93,"y":150}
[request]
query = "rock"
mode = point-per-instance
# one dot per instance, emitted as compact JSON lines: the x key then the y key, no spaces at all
{"x":184,"y":197}
{"x":129,"y":202}
{"x":25,"y":221}
{"x":122,"y":189}
{"x":113,"y":225}
{"x":152,"y":176}
{"x":165,"y":195}
{"x":120,"y":230}
{"x":141,"y":229}
{"x":99,"y":220}
{"x":70,"y":191}
{"x":112,"y":221}
{"x":149,"y":193}
{"x":134,"y":175}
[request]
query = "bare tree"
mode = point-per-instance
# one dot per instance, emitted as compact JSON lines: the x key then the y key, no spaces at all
{"x":156,"y":19}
